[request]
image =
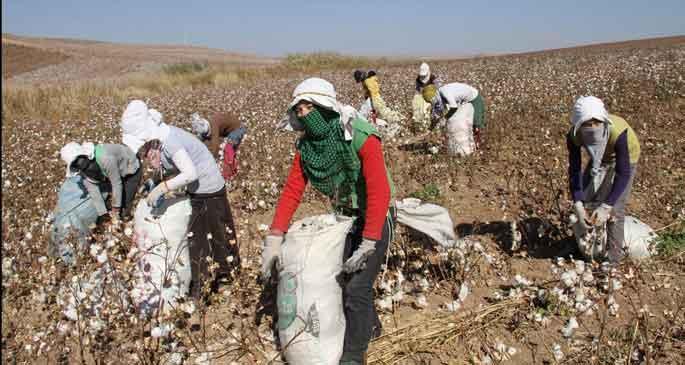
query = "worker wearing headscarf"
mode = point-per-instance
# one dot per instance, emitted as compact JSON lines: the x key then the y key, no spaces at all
{"x":614,"y":152}
{"x":340,"y":156}
{"x":374,"y":102}
{"x":111,"y":165}
{"x":448,"y":100}
{"x":421,"y":110}
{"x":173,"y":150}
{"x":222,"y":128}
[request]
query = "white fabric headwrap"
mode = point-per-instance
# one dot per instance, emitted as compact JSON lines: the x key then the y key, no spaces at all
{"x":595,"y":141}
{"x":322,"y":93}
{"x":139,"y":125}
{"x":424,"y":72}
{"x":72,"y":150}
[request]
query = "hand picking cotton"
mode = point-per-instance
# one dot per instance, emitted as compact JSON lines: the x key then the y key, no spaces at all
{"x":311,"y":321}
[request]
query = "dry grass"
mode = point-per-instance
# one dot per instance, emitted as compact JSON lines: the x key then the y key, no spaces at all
{"x":56,"y":102}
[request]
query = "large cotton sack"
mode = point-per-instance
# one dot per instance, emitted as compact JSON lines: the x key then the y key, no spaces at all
{"x":459,"y":132}
{"x":163,"y":270}
{"x":311,"y":320}
{"x":430,"y":219}
{"x":73,"y":218}
{"x":639,"y":239}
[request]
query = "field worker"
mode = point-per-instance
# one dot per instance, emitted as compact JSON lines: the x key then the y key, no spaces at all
{"x":463,"y":108}
{"x":105,"y":165}
{"x":608,"y":178}
{"x":226,"y":129}
{"x":342,"y":158}
{"x":173,"y":150}
{"x":420,"y":108}
{"x":374,"y":105}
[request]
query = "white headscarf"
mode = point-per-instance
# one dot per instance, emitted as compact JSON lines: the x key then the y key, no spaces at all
{"x":595,"y":141}
{"x":322,"y":93}
{"x":200,"y":126}
{"x":424,"y":72}
{"x":139,"y":125}
{"x":72,"y":150}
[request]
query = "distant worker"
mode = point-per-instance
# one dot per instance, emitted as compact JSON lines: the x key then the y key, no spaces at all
{"x":421,"y":110}
{"x":463,"y":108}
{"x":223,"y":129}
{"x":111,"y":165}
{"x":607,"y":181}
{"x":374,"y":106}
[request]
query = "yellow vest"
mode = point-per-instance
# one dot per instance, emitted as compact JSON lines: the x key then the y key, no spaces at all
{"x":616,"y":128}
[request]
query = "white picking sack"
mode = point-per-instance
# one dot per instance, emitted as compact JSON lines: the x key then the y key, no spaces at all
{"x":163,"y":270}
{"x":311,"y":320}
{"x":431,"y":219}
{"x":459,"y":131}
{"x":639,"y":239}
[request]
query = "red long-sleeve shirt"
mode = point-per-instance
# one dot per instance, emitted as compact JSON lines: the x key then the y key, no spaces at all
{"x":377,"y":191}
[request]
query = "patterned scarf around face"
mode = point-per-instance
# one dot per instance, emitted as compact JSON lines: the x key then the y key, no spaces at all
{"x":329,"y":162}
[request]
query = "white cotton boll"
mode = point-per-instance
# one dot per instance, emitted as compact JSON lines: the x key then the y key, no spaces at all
{"x":424,"y":284}
{"x":176,"y":359}
{"x":453,"y":306}
{"x":556,"y":352}
{"x":463,"y":292}
{"x":209,"y":236}
{"x":521,"y":281}
{"x":95,"y":249}
{"x":569,"y":278}
{"x":398,"y":296}
{"x":571,"y":326}
{"x":560,"y":261}
{"x":63,"y":328}
{"x":190,"y":234}
{"x":97,"y":325}
{"x":587,"y":276}
{"x":385,"y":303}
{"x":486,"y":360}
{"x":613,"y":306}
{"x":128,"y":231}
{"x":433,"y":150}
{"x":261,"y":204}
{"x":161,"y":330}
{"x":616,"y":285}
{"x":580,"y":267}
{"x":42,"y":260}
{"x":110,"y":243}
{"x":386,"y":286}
{"x":203,"y":359}
{"x":263,"y":227}
{"x":7,"y":184}
{"x":102,"y":257}
{"x":28,"y":236}
{"x":421,"y":301}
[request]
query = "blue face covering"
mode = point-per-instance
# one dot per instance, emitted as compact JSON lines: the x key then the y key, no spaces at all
{"x":595,"y":141}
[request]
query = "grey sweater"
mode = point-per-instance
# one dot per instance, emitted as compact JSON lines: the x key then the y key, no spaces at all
{"x":116,"y":161}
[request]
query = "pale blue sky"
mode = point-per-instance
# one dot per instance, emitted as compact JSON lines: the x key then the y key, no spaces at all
{"x":417,"y":28}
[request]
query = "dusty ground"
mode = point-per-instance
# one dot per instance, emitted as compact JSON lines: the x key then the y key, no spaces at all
{"x":33,"y":60}
{"x":520,"y":175}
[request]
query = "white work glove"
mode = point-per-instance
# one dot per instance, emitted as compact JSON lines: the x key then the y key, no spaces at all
{"x":271,"y":250}
{"x":358,"y":259}
{"x":601,"y":214}
{"x":579,"y":210}
{"x":155,"y":194}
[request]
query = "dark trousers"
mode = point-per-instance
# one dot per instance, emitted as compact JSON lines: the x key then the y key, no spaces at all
{"x":214,"y":236}
{"x":131,"y":183}
{"x":361,"y":318}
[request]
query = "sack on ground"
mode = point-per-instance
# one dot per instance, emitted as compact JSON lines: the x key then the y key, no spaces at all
{"x":74,"y":216}
{"x":459,"y":132}
{"x":431,"y":219}
{"x":311,"y":320}
{"x":639,"y":239}
{"x":163,"y":269}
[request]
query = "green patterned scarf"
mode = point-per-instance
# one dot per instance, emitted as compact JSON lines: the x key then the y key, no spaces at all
{"x":329,"y":162}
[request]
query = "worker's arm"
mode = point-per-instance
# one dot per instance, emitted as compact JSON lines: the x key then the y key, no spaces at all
{"x":96,"y":196}
{"x":377,"y":188}
{"x":109,"y":168}
{"x":186,"y":168}
{"x":623,"y":172}
{"x":290,"y":197}
{"x":574,"y":173}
